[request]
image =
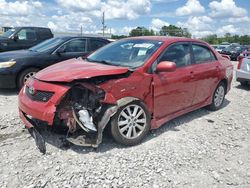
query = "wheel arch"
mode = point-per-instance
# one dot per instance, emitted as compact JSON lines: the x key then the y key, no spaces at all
{"x":225,"y":82}
{"x":23,"y":69}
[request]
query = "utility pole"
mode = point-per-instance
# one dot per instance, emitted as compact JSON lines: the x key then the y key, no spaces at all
{"x":103,"y":24}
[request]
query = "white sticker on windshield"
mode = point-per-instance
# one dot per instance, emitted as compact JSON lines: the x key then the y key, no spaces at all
{"x":143,"y":45}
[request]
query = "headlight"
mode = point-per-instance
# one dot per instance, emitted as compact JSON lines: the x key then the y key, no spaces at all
{"x":7,"y":64}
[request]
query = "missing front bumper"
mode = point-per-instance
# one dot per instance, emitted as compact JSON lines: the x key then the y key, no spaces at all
{"x":94,"y":140}
{"x":76,"y":138}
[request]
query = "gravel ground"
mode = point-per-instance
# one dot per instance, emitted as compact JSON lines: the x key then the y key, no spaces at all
{"x":200,"y":149}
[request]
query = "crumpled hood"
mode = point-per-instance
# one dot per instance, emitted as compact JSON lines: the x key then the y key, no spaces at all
{"x":75,"y":69}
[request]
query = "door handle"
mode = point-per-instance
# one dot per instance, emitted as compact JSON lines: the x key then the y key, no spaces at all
{"x":192,"y":74}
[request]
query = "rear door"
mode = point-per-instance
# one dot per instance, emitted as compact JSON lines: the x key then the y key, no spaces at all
{"x":206,"y":72}
{"x":174,"y":91}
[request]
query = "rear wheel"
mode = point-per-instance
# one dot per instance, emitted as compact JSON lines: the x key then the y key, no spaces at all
{"x":218,"y":97}
{"x":130,"y":124}
{"x":25,"y":75}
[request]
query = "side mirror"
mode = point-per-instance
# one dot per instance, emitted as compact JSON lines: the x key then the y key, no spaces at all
{"x":14,"y":37}
{"x":61,"y":50}
{"x":166,"y":66}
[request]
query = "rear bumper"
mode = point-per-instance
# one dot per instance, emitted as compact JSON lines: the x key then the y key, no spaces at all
{"x":242,"y":76}
{"x":44,"y":111}
{"x":7,"y":81}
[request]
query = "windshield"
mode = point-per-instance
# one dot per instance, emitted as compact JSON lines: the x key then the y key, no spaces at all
{"x":131,"y":53}
{"x":8,"y":33}
{"x":233,"y":48}
{"x":221,"y":47}
{"x":47,"y":45}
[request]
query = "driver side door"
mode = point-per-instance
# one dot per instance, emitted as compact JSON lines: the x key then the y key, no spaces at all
{"x":26,"y":38}
{"x":174,"y":91}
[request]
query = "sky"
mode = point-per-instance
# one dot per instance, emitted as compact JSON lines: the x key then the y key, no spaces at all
{"x":200,"y":17}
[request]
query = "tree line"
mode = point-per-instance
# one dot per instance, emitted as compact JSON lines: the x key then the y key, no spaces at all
{"x":173,"y":30}
{"x":170,"y":30}
{"x":214,"y":39}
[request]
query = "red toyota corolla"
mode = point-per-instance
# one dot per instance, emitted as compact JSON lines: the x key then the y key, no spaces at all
{"x":132,"y":85}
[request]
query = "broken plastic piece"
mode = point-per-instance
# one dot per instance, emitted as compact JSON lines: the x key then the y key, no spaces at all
{"x":40,"y":142}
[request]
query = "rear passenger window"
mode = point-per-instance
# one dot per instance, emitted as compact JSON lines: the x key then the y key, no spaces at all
{"x":177,"y":53}
{"x":78,"y":45}
{"x":202,"y":54}
{"x":95,"y":44}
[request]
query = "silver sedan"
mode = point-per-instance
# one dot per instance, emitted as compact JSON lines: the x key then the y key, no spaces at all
{"x":243,"y":71}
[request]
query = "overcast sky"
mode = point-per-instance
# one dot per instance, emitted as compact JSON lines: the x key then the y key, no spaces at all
{"x":201,"y":17}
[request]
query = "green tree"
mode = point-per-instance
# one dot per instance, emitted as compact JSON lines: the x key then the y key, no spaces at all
{"x":118,"y":36}
{"x":141,"y":31}
{"x":211,"y":39}
{"x":173,"y":30}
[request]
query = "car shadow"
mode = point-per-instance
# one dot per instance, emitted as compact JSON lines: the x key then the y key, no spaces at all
{"x":58,"y":140}
{"x":247,"y":87}
{"x":9,"y":92}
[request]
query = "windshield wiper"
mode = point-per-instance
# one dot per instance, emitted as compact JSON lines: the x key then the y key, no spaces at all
{"x":31,"y":50}
{"x":99,"y":61}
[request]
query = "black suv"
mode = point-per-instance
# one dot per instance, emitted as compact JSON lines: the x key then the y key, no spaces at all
{"x":23,"y":37}
{"x":18,"y":66}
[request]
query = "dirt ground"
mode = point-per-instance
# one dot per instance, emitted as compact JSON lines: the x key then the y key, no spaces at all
{"x":199,"y":149}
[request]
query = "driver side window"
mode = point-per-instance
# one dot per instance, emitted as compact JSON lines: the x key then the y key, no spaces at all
{"x":26,"y":34}
{"x":177,"y":53}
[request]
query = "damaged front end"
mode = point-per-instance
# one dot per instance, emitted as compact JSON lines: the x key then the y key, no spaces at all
{"x":84,"y":114}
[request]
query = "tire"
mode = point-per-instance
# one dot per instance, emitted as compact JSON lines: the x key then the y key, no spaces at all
{"x":218,"y":97}
{"x":137,"y":126}
{"x":244,"y":83}
{"x":24,"y":75}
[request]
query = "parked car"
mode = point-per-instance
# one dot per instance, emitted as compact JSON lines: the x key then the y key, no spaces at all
{"x":23,"y":38}
{"x":243,"y":71}
{"x":233,"y":51}
{"x":18,"y":66}
{"x":215,"y":46}
{"x":220,"y":48}
{"x":132,"y":85}
{"x":244,"y":54}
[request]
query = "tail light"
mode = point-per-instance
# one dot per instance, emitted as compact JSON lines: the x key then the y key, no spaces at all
{"x":240,"y":61}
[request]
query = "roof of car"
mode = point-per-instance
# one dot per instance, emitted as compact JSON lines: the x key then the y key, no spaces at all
{"x":73,"y":37}
{"x":32,"y":27}
{"x":168,"y":38}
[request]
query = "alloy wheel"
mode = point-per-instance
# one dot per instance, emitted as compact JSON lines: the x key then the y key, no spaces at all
{"x":219,"y":96}
{"x":28,"y":76}
{"x":132,"y":121}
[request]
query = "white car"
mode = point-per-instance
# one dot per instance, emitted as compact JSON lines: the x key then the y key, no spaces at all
{"x":243,"y":71}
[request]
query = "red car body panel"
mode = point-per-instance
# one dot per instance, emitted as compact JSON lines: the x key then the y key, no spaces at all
{"x":75,"y":69}
{"x":42,"y":111}
{"x":167,"y":95}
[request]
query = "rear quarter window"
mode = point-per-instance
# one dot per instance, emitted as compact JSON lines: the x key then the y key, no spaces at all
{"x":44,"y":33}
{"x":95,"y":44}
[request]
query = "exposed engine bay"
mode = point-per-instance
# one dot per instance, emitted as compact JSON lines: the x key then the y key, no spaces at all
{"x":84,"y":115}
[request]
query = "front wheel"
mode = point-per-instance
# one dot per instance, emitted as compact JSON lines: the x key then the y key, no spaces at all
{"x":218,"y":97}
{"x":130,"y":124}
{"x":25,"y":75}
